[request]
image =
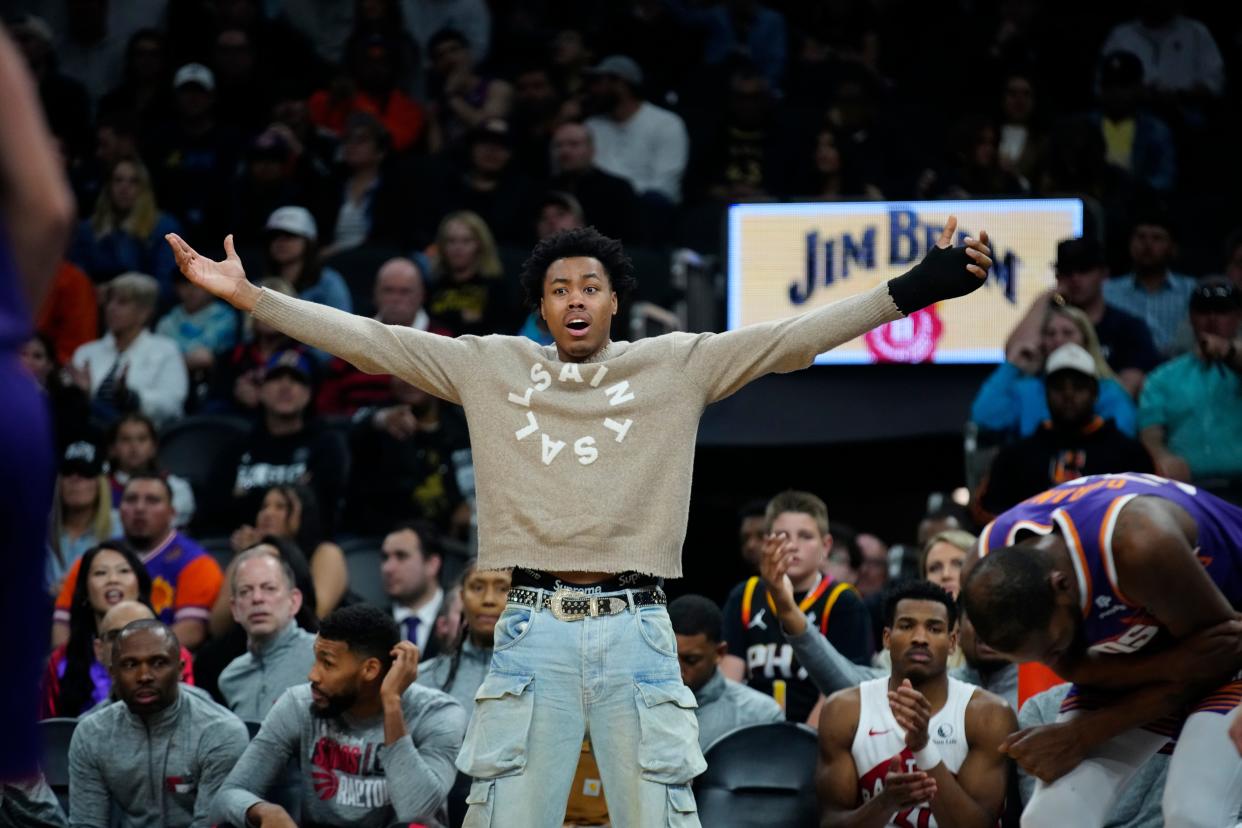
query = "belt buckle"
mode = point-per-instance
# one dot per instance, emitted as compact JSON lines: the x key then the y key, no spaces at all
{"x":556,"y":605}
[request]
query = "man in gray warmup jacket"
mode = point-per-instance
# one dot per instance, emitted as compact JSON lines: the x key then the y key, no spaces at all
{"x":158,"y":754}
{"x":374,"y":748}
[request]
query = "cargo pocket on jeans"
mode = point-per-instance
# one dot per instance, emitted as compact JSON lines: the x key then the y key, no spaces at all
{"x":512,"y":626}
{"x":657,"y":630}
{"x":496,"y":737}
{"x":668,"y":742}
{"x":482,"y":802}
{"x":682,"y":809}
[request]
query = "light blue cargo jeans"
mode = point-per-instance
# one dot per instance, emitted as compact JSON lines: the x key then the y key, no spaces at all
{"x":551,"y":682}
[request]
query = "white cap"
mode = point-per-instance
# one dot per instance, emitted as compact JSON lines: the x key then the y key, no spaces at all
{"x":620,"y":66}
{"x":295,"y":220}
{"x":1071,"y":357}
{"x":194,"y":73}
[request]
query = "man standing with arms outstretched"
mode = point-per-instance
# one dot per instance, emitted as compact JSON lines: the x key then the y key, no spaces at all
{"x":583,"y":453}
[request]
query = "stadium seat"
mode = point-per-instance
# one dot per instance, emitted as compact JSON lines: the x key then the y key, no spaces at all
{"x":362,"y":560}
{"x":760,"y":776}
{"x":980,"y":447}
{"x":57,"y":733}
{"x":188,"y":447}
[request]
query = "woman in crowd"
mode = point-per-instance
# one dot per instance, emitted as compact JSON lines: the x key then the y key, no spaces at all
{"x":291,"y":512}
{"x":468,"y":295}
{"x":133,"y":448}
{"x":942,"y":558}
{"x":1013,"y":401}
{"x":459,"y":673}
{"x":75,"y":681}
{"x":68,"y":403}
{"x":975,"y":169}
{"x":369,"y":206}
{"x":82,"y":513}
{"x":293,"y":255}
{"x":130,"y":368}
{"x":126,"y":232}
{"x":836,"y":179}
{"x":460,"y":669}
{"x":1023,"y":135}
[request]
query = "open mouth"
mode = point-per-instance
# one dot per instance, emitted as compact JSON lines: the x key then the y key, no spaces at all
{"x":578,"y":326}
{"x":113,"y":596}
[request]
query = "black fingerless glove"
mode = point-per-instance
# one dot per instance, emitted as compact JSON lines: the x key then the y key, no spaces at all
{"x":941,"y":275}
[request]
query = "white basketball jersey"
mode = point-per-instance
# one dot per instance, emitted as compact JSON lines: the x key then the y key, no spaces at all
{"x":879,"y":738}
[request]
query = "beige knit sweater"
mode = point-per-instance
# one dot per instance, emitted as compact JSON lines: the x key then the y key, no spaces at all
{"x":581,"y":466}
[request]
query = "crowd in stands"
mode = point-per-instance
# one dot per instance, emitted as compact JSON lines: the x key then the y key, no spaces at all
{"x":397,"y":159}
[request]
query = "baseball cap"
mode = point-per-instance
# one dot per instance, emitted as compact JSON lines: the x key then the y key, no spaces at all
{"x":1076,"y":255}
{"x":194,"y":73}
{"x":493,"y":130}
{"x":1215,"y":295}
{"x":1071,"y":357}
{"x":294,"y":220}
{"x":619,"y":66}
{"x":81,"y":458}
{"x":292,"y":362}
{"x":564,"y":200}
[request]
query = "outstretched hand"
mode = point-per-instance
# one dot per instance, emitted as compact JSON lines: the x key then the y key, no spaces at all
{"x":225,"y":279}
{"x":976,"y":249}
{"x":946,"y":272}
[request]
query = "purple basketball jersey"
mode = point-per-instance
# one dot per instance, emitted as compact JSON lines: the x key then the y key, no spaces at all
{"x":1084,"y":512}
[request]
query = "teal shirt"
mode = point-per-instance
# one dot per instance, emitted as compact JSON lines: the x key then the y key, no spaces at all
{"x":213,"y":327}
{"x":1200,"y":406}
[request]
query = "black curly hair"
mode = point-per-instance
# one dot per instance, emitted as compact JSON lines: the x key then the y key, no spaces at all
{"x":917,"y":590}
{"x":579,"y":241}
{"x":368,"y":631}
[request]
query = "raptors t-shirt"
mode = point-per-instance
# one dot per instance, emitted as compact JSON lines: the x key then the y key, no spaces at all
{"x":347,"y":774}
